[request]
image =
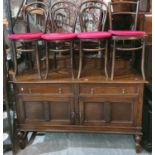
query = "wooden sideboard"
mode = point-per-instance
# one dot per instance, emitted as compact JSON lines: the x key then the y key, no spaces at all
{"x":91,"y":104}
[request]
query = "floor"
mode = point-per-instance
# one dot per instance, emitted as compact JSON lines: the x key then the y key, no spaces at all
{"x":80,"y":144}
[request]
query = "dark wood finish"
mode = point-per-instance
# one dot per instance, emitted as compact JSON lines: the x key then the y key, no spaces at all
{"x":138,"y":146}
{"x":22,"y":138}
{"x":89,"y":104}
{"x":86,"y":105}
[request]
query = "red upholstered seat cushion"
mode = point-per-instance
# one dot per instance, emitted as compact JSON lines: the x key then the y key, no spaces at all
{"x":25,"y":36}
{"x":59,"y":36}
{"x":127,"y":33}
{"x":93,"y":35}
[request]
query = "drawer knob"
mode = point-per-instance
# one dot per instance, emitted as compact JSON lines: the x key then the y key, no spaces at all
{"x":22,"y":89}
{"x":60,"y":91}
{"x":123,"y":91}
{"x":92,"y":91}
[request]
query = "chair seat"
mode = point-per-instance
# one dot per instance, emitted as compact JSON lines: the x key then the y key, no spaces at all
{"x":93,"y":35}
{"x":127,"y":33}
{"x":59,"y":36}
{"x":25,"y":36}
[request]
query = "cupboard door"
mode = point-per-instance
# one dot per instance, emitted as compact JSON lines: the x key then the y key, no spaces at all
{"x":53,"y":110}
{"x":106,"y":111}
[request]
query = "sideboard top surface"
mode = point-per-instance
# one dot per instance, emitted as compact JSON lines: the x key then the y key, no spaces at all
{"x":59,"y":77}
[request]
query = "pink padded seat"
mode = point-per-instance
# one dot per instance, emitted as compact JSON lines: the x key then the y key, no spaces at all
{"x":93,"y":35}
{"x":25,"y":36}
{"x":59,"y":36}
{"x":127,"y":33}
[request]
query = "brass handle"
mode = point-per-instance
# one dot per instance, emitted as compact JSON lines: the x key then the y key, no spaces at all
{"x":123,"y":91}
{"x":60,"y":91}
{"x":92,"y":91}
{"x":22,"y":89}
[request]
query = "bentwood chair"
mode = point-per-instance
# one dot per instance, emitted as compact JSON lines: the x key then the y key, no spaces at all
{"x":59,"y":43}
{"x":34,"y":17}
{"x":92,"y":38}
{"x":126,"y":39}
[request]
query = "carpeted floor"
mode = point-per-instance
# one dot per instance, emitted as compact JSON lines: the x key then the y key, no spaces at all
{"x":80,"y":144}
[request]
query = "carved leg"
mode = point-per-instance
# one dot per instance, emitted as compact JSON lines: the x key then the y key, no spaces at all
{"x":137,"y":141}
{"x":22,"y":138}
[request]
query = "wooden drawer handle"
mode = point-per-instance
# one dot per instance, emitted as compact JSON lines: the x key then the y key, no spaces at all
{"x":60,"y":91}
{"x":123,"y":91}
{"x":30,"y":91}
{"x":92,"y":91}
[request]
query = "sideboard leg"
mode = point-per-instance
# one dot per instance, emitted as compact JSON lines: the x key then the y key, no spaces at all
{"x":22,"y":138}
{"x":138,"y":139}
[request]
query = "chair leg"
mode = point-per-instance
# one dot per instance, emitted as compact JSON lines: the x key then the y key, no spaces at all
{"x":133,"y":55}
{"x":105,"y":60}
{"x":47,"y":60}
{"x":15,"y":57}
{"x":54,"y":57}
{"x":71,"y":58}
{"x":113,"y":60}
{"x":80,"y":60}
{"x":142,"y":60}
{"x":37,"y":59}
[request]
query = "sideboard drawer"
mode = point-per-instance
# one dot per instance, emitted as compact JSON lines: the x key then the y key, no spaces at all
{"x":44,"y":88}
{"x":108,"y":89}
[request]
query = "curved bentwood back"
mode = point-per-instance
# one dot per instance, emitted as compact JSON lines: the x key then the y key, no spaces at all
{"x":63,"y":15}
{"x":35,"y":15}
{"x":92,"y":15}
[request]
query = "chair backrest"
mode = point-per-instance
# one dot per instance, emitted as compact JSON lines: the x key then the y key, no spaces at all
{"x":35,"y":15}
{"x":123,"y":15}
{"x":92,"y":15}
{"x":63,"y":16}
{"x":33,"y":18}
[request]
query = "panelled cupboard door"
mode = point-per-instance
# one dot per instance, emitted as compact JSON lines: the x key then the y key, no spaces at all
{"x":52,"y":110}
{"x":108,"y":111}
